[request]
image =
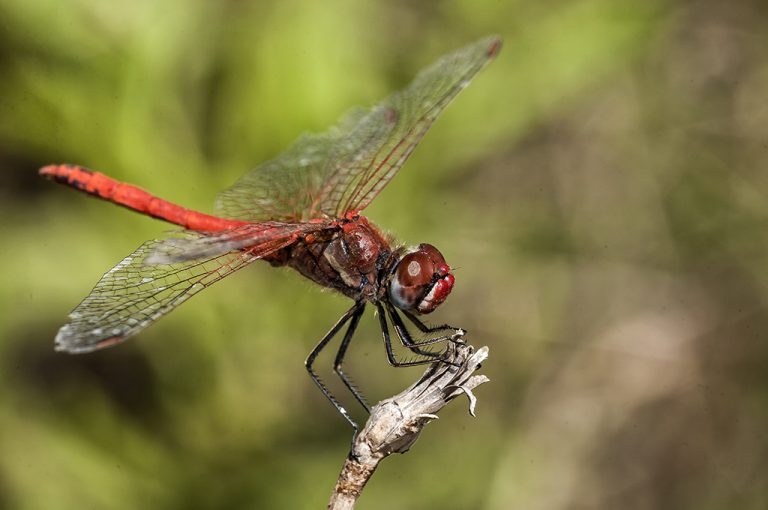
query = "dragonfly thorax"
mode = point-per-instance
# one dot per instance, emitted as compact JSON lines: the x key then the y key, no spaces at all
{"x":351,"y":257}
{"x":421,"y":280}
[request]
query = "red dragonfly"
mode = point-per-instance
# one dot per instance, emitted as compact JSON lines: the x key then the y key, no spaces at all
{"x":301,"y":210}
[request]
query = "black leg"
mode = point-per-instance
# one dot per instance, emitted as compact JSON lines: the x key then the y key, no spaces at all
{"x":388,"y":343}
{"x":343,"y":350}
{"x":429,"y":329}
{"x":405,"y":335}
{"x":319,"y":347}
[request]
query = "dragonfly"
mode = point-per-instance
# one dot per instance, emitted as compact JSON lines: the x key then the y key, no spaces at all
{"x":299,"y":210}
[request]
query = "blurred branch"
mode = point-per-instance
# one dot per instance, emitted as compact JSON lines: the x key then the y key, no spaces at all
{"x":395,"y":423}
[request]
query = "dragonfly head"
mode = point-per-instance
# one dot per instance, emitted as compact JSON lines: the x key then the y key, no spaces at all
{"x":421,"y":280}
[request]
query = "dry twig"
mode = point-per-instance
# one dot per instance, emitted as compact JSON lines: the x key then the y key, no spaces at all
{"x":395,"y":423}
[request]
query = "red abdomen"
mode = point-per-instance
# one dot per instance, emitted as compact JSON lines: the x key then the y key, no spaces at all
{"x":132,"y":197}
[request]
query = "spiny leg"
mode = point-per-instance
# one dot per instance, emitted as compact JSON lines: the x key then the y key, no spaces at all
{"x":388,"y":343}
{"x":343,"y":350}
{"x":319,"y":347}
{"x":431,"y":329}
{"x":405,"y":336}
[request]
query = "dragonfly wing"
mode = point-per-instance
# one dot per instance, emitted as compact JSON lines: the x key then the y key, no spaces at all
{"x":342,"y":170}
{"x":413,"y":110}
{"x":287,"y":187}
{"x":139,"y":290}
{"x":262,"y":237}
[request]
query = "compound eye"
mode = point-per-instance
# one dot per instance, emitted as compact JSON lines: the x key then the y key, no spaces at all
{"x":421,"y":281}
{"x":439,"y":266}
{"x":433,"y":253}
{"x":415,"y":269}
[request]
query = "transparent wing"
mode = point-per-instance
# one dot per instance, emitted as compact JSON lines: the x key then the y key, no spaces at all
{"x":288,"y":187}
{"x":260,"y":238}
{"x":342,"y":170}
{"x":140,"y":290}
{"x":416,"y":107}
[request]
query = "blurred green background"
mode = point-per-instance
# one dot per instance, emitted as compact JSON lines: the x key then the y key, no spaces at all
{"x":601,"y":187}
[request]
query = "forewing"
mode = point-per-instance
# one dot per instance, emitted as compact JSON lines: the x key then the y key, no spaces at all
{"x":287,"y":188}
{"x":140,"y":290}
{"x":329,"y":174}
{"x":413,"y":109}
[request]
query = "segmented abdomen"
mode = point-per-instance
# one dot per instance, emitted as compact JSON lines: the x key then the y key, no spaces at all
{"x":132,"y":197}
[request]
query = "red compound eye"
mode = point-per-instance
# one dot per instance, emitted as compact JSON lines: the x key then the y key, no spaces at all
{"x":433,"y":253}
{"x":422,"y":280}
{"x":415,"y":269}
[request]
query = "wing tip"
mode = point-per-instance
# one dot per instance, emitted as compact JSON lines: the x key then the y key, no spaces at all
{"x":65,"y":341}
{"x":72,"y":343}
{"x":494,"y":46}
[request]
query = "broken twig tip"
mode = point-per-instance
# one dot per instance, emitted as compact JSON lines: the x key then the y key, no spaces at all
{"x":396,"y":423}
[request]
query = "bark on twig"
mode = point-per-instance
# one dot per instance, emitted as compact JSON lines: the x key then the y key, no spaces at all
{"x":395,"y":423}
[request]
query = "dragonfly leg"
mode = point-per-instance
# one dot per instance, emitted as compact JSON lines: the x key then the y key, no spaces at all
{"x":319,"y":347}
{"x":342,"y":352}
{"x":415,"y":346}
{"x":405,"y":336}
{"x":388,"y":344}
{"x":431,"y":329}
